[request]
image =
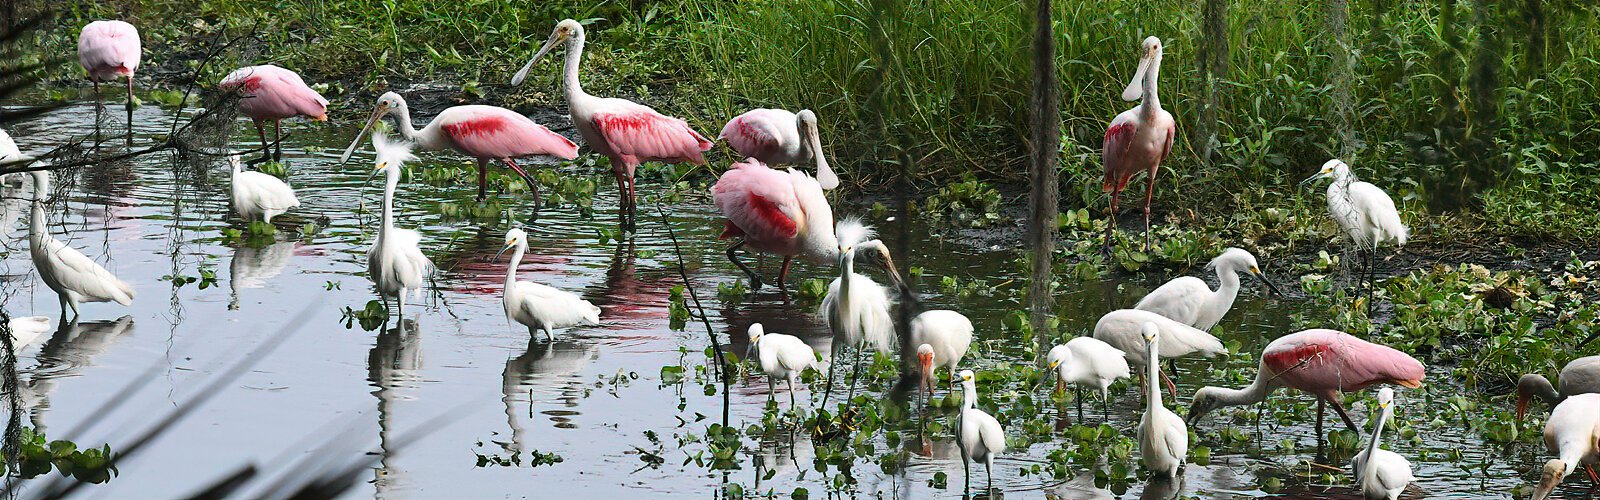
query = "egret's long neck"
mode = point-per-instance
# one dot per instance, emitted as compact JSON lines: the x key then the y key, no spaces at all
{"x":1372,"y":446}
{"x":516,"y":260}
{"x":1152,"y":103}
{"x":847,"y":269}
{"x":1153,"y":360}
{"x":41,"y":187}
{"x":391,"y":179}
{"x":402,"y":116}
{"x":969,"y":398}
{"x":1227,"y":288}
{"x":570,"y":72}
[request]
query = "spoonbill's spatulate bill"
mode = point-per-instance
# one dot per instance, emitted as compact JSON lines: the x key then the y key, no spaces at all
{"x":1163,"y":436}
{"x":1381,"y":474}
{"x":1573,"y":435}
{"x":541,"y":307}
{"x":1190,"y":301}
{"x":775,"y":212}
{"x":1580,"y":376}
{"x":72,"y":275}
{"x":256,"y":195}
{"x":1138,"y":139}
{"x":395,"y":261}
{"x":269,"y":93}
{"x":780,"y":137}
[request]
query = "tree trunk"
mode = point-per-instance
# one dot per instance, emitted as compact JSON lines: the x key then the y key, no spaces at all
{"x":1044,"y":117}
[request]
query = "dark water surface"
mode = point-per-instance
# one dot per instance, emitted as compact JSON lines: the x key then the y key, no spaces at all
{"x":509,"y":395}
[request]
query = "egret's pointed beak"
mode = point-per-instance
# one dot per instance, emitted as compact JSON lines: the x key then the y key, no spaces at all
{"x":1263,"y":277}
{"x":377,"y":112}
{"x":1320,"y":175}
{"x":1050,"y":374}
{"x":503,"y":250}
{"x":1135,"y":89}
{"x":555,"y":39}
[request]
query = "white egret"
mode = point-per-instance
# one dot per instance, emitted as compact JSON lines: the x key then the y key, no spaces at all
{"x":1190,"y":301}
{"x":1123,"y":329}
{"x":1381,"y":474}
{"x":11,"y":156}
{"x":28,"y":329}
{"x":259,"y":195}
{"x":395,"y":261}
{"x":780,"y":356}
{"x":1087,"y":361}
{"x":981,"y":435}
{"x":540,"y":307}
{"x":856,"y":309}
{"x":947,"y":333}
{"x":73,"y":276}
{"x":1573,"y":435}
{"x":1163,"y":437}
{"x":1364,"y":211}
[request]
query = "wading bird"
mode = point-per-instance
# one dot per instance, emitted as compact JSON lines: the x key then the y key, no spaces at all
{"x":540,"y":307}
{"x":1365,"y":213}
{"x":856,"y":309}
{"x":781,"y":213}
{"x":1163,"y":436}
{"x":28,"y":329}
{"x":1381,"y":474}
{"x":9,"y":155}
{"x":779,"y":137}
{"x":948,"y":333}
{"x":925,"y":369}
{"x":1573,"y":435}
{"x":1139,"y":139}
{"x":1086,"y":361}
{"x":1124,"y":330}
{"x":395,"y":261}
{"x":780,"y":356}
{"x":626,"y":132}
{"x":1580,"y":376}
{"x":981,"y":435}
{"x":259,"y":195}
{"x":72,"y":275}
{"x":486,"y":133}
{"x":1323,"y":363}
{"x":270,"y":93}
{"x":1189,"y":300}
{"x":108,"y":50}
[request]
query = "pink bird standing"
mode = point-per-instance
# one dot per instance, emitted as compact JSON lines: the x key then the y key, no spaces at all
{"x":628,"y":133}
{"x":271,"y":93}
{"x":486,"y":133}
{"x":781,"y":213}
{"x":1139,"y":139}
{"x":1323,"y":363}
{"x":108,"y":50}
{"x":779,"y":137}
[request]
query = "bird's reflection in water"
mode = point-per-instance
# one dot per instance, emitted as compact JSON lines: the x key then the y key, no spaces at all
{"x":783,"y":452}
{"x":1162,"y":488}
{"x":544,"y":365}
{"x":253,"y":267}
{"x":67,"y":353}
{"x":624,"y":296}
{"x":393,"y":363}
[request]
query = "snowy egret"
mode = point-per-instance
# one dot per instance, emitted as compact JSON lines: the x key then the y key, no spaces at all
{"x":256,"y":194}
{"x":1365,"y":213}
{"x":1580,"y":376}
{"x":856,"y":309}
{"x":1123,"y":329}
{"x":9,"y":153}
{"x":1138,"y":139}
{"x":28,"y":329}
{"x":270,"y":93}
{"x":73,"y":276}
{"x":1163,"y":437}
{"x":1087,"y":361}
{"x":1323,"y":363}
{"x":780,"y":137}
{"x":981,"y":435}
{"x":948,"y":333}
{"x":1573,"y":435}
{"x":395,"y":261}
{"x":776,"y":212}
{"x":540,"y":307}
{"x":1381,"y":474}
{"x":780,"y":356}
{"x":1190,"y":301}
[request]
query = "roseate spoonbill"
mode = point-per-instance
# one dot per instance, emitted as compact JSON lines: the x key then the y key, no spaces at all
{"x":540,"y":307}
{"x":1123,"y":329}
{"x":1139,"y":139}
{"x":72,"y":275}
{"x":780,"y":356}
{"x":948,"y":333}
{"x":108,"y":50}
{"x":1365,"y":213}
{"x":782,"y":213}
{"x":981,"y":435}
{"x":1573,"y":435}
{"x":779,"y":137}
{"x":1086,"y":361}
{"x":1163,"y":436}
{"x":1580,"y":376}
{"x":1190,"y":301}
{"x":271,"y":93}
{"x":1381,"y":474}
{"x":486,"y":133}
{"x":256,"y":194}
{"x":28,"y":329}
{"x":395,"y":261}
{"x":856,"y":309}
{"x":626,"y":132}
{"x":1323,"y":363}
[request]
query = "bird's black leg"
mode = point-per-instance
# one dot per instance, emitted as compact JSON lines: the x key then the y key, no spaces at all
{"x":483,"y":178}
{"x":1339,"y":408}
{"x":533,"y":185}
{"x":277,"y":140}
{"x":1111,"y":225}
{"x":1321,"y":411}
{"x":755,"y":280}
{"x":1077,"y":398}
{"x":130,"y":110}
{"x":266,"y":147}
{"x":1149,"y":195}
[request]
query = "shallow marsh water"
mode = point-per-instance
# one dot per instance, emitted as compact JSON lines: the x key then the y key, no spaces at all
{"x":590,"y":396}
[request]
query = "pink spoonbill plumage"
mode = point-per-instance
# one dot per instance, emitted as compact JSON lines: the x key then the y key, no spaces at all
{"x":776,"y":212}
{"x":486,"y":133}
{"x":1138,"y":139}
{"x":627,"y":132}
{"x":109,"y":50}
{"x":270,"y":93}
{"x":780,"y":137}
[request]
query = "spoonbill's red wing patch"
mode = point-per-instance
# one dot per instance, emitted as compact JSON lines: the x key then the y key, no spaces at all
{"x":493,"y":132}
{"x":1118,"y":138}
{"x":1328,"y":360}
{"x":773,"y":215}
{"x":760,"y":202}
{"x":750,"y":136}
{"x":648,"y":135}
{"x":274,"y":93}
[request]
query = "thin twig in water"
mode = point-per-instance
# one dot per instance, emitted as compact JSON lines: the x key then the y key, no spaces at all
{"x":723,"y":372}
